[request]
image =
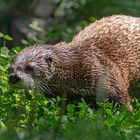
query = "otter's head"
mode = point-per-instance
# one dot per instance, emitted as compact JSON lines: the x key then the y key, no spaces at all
{"x":32,"y":68}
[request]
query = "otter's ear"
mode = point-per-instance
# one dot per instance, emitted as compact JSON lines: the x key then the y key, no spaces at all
{"x":48,"y":60}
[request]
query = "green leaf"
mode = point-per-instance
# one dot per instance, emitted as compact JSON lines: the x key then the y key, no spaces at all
{"x":1,"y":35}
{"x":92,"y":19}
{"x":7,"y":37}
{"x":16,"y":49}
{"x":25,"y":42}
{"x":4,"y":51}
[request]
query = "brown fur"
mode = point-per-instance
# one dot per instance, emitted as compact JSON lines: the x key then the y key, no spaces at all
{"x":100,"y":61}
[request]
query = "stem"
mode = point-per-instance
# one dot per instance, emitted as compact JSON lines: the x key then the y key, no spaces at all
{"x":56,"y":128}
{"x":32,"y":114}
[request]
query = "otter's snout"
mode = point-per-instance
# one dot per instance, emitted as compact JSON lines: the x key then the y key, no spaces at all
{"x":14,"y":79}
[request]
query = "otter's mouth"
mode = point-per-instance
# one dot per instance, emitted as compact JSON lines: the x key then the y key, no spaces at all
{"x":36,"y":85}
{"x":16,"y":82}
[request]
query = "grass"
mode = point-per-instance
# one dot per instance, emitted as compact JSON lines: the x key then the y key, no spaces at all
{"x":29,"y":116}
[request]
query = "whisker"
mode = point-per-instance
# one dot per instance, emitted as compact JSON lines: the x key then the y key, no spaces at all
{"x":39,"y":90}
{"x":43,"y":88}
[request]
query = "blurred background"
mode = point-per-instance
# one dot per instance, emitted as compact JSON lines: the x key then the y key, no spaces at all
{"x":50,"y":21}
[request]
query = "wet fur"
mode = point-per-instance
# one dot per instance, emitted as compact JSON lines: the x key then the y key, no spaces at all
{"x":100,"y":62}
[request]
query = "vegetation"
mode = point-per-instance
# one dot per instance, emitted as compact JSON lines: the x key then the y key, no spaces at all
{"x":29,"y":116}
{"x":25,"y":115}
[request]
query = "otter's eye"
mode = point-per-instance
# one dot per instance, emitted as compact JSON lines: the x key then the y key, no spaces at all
{"x":29,"y":69}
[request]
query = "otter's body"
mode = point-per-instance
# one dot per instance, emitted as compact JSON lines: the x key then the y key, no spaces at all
{"x":100,"y":62}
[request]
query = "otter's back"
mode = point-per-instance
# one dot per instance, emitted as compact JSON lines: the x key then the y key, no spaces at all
{"x":118,"y":37}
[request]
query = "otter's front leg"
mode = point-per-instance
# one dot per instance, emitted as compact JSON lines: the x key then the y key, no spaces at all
{"x":119,"y":95}
{"x":114,"y":86}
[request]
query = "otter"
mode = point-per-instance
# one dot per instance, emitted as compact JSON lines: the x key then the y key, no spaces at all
{"x":98,"y":64}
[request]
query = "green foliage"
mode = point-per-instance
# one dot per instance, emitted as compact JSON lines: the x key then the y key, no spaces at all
{"x":79,"y":13}
{"x":5,"y":38}
{"x":29,"y":116}
{"x":8,"y":9}
{"x":25,"y":115}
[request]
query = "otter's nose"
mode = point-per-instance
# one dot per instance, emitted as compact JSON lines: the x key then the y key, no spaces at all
{"x":13,"y":79}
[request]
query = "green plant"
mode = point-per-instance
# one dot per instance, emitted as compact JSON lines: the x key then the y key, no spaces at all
{"x":25,"y":115}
